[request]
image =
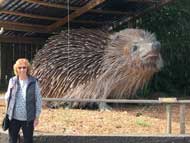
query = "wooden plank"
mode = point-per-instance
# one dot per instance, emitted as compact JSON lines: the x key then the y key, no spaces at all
{"x":169,"y":119}
{"x":23,"y":27}
{"x":47,"y":17}
{"x":46,"y":4}
{"x":9,"y":60}
{"x":29,"y":15}
{"x":168,"y":100}
{"x":89,"y":22}
{"x":143,"y":1}
{"x":110,"y":12}
{"x":13,"y":39}
{"x":82,"y":10}
{"x":3,"y":64}
{"x":182,"y":118}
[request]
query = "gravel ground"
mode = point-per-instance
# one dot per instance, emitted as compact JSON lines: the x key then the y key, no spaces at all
{"x":133,"y":119}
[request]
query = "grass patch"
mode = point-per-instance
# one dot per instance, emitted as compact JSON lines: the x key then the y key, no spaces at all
{"x":143,"y":123}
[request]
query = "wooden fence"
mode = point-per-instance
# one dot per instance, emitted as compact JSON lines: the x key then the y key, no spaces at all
{"x":9,"y":53}
{"x":168,"y":102}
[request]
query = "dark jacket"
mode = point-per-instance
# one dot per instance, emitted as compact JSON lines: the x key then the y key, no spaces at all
{"x":30,"y":97}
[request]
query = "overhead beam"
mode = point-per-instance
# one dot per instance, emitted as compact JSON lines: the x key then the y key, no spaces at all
{"x":110,"y":12}
{"x":46,"y":17}
{"x":29,"y":15}
{"x":87,"y":7}
{"x":47,"y":4}
{"x":16,"y":26}
{"x":144,"y":1}
{"x":39,"y":2}
{"x":89,"y":22}
{"x":15,"y":39}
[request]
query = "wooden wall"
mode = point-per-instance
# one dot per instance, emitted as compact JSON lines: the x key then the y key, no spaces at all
{"x":9,"y":53}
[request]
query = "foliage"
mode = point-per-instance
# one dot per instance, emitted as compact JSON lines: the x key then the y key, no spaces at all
{"x":171,"y":26}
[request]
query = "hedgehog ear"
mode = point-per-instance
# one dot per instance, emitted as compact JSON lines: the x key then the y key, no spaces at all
{"x":115,"y":37}
{"x":126,"y":50}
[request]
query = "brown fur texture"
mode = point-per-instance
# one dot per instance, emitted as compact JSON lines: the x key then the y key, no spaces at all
{"x":97,"y":64}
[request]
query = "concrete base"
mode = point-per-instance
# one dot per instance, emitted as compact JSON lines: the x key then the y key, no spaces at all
{"x":52,"y":138}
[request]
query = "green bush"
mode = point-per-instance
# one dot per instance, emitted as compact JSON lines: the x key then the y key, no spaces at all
{"x":171,"y":26}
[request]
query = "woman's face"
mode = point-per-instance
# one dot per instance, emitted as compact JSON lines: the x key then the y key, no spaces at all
{"x":22,"y":69}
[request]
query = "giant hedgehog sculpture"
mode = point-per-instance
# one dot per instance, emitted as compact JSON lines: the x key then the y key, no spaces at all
{"x":96,"y":64}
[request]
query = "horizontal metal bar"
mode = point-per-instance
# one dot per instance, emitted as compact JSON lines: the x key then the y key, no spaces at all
{"x":113,"y":100}
{"x":102,"y":100}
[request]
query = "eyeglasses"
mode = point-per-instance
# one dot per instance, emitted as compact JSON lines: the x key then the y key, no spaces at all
{"x":22,"y":68}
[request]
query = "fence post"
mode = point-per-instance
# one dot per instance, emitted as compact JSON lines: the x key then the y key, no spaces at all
{"x":182,"y":118}
{"x":169,"y":118}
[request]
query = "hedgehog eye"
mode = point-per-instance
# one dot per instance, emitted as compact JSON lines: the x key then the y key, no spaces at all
{"x":135,"y":47}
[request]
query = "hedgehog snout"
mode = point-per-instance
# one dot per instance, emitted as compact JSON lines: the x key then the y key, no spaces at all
{"x":156,"y":46}
{"x":145,"y":50}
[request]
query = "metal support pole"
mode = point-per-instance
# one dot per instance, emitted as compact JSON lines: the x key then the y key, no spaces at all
{"x":182,"y":118}
{"x":169,"y":119}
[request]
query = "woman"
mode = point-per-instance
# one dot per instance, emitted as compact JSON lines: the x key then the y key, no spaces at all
{"x":25,"y":102}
